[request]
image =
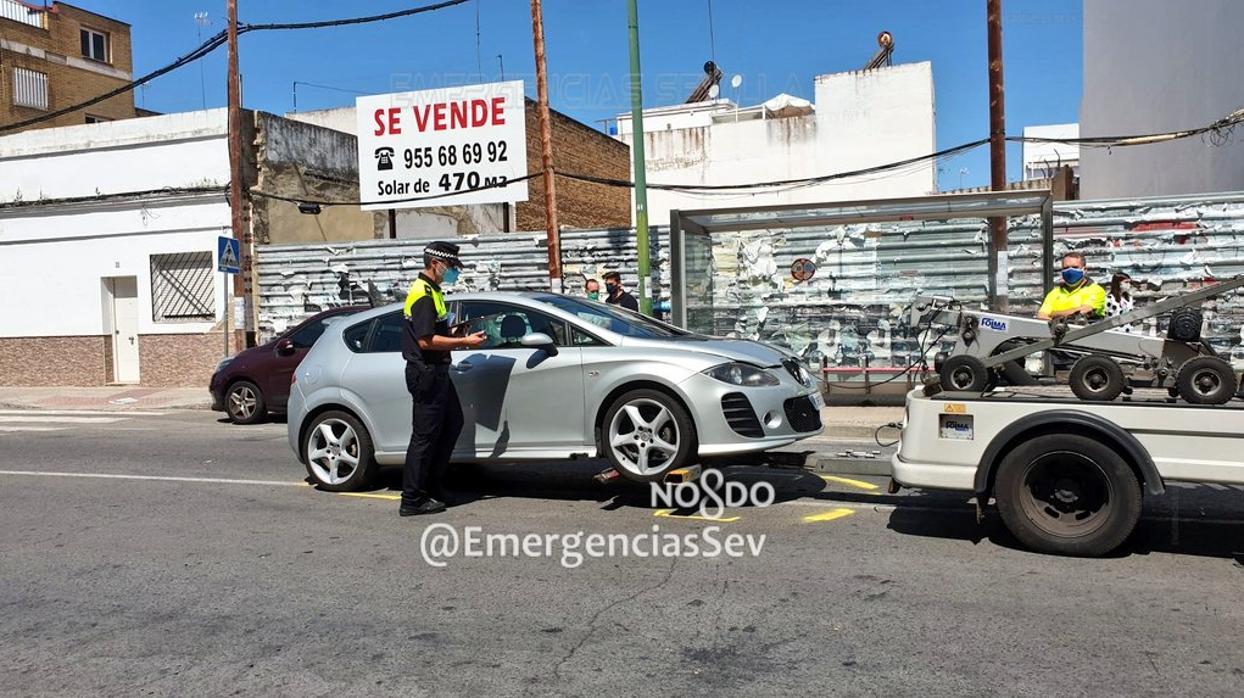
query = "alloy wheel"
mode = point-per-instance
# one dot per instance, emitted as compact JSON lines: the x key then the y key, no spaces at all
{"x":242,"y":402}
{"x":644,"y":436}
{"x":333,"y":451}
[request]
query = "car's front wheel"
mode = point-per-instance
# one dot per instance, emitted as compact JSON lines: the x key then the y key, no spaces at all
{"x":244,"y":403}
{"x":339,"y":453}
{"x":647,"y":434}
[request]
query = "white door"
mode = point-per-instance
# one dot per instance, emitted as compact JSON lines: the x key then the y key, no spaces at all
{"x":124,"y":328}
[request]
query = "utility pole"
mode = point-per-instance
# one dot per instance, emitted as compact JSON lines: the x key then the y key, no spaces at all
{"x":235,"y":159}
{"x":637,"y":154}
{"x":546,"y":149}
{"x":998,"y":258}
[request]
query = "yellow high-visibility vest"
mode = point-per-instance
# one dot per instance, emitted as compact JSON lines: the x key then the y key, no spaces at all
{"x":421,"y":288}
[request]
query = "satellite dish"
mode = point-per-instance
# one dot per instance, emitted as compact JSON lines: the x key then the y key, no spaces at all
{"x":736,"y":81}
{"x":713,"y":91}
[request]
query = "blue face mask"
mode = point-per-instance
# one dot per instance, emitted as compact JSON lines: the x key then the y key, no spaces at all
{"x":451,"y":275}
{"x":1073,"y":276}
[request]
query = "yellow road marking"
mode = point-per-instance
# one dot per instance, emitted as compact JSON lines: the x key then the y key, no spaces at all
{"x":848,"y":481}
{"x":669,"y":514}
{"x":369,"y":495}
{"x":831,"y":515}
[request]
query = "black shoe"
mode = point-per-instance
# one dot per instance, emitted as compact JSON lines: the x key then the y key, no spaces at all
{"x":427,"y":505}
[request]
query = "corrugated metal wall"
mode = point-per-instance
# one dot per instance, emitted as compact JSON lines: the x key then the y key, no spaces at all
{"x":298,"y":280}
{"x":851,"y":310}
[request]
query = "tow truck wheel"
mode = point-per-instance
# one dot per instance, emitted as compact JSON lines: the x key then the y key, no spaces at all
{"x":1206,"y":380}
{"x":1067,"y":494}
{"x":964,"y":373}
{"x":1096,"y":377}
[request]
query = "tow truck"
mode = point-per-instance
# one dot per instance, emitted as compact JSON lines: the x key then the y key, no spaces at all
{"x":1068,"y":465}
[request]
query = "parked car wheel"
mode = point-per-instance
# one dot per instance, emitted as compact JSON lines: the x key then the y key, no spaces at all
{"x":647,"y":434}
{"x":338,"y":452}
{"x":1068,"y":494}
{"x":244,"y":403}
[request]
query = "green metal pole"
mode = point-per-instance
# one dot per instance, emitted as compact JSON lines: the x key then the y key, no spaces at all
{"x":637,"y":153}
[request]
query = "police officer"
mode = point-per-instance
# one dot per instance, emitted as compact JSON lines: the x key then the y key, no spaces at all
{"x":436,"y":420}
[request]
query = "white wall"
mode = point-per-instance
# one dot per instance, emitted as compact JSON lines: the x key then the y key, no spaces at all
{"x":173,"y":150}
{"x":1040,"y":159}
{"x":1154,"y":66}
{"x":861,"y":119}
{"x":54,"y":261}
{"x":55,"y":254}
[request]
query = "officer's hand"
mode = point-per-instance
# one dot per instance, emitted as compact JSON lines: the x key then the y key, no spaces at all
{"x":474,"y":340}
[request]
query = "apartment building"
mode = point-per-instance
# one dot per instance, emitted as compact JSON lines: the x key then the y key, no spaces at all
{"x":54,"y":55}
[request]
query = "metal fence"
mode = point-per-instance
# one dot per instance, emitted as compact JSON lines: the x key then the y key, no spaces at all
{"x":850,"y":313}
{"x":298,"y":280}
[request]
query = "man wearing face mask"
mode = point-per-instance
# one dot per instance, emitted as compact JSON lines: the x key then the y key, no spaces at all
{"x":436,"y":419}
{"x":592,"y":289}
{"x":1076,"y":295}
{"x":616,"y":295}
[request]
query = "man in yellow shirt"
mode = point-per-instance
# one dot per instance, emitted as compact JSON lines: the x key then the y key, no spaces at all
{"x":1077,"y":294}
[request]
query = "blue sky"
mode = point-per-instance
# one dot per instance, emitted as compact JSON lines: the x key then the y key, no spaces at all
{"x":776,"y":45}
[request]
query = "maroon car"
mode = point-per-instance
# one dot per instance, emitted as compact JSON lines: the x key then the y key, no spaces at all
{"x":252,"y":383}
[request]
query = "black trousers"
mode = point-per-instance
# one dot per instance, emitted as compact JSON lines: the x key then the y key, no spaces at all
{"x":436,"y":422}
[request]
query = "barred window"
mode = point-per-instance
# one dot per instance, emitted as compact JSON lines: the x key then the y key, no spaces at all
{"x":30,"y":89}
{"x":182,"y":288}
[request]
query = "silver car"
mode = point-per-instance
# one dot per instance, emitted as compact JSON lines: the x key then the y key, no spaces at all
{"x":559,"y":377}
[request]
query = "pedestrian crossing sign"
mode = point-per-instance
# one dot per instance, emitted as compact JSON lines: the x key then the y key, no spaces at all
{"x":228,"y":255}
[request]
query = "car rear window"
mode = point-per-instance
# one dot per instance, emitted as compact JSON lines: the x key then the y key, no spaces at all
{"x":356,"y":336}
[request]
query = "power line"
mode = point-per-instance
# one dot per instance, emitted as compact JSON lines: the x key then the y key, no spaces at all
{"x":215,"y":42}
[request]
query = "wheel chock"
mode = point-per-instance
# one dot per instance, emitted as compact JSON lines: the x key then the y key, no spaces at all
{"x":688,"y":474}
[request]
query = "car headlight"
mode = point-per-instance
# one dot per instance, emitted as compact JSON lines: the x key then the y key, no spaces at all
{"x":742,"y":374}
{"x":224,"y":362}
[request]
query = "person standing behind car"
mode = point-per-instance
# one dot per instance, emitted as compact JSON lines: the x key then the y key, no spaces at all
{"x":616,"y":294}
{"x":592,"y":288}
{"x":1119,"y":299}
{"x":436,"y":414}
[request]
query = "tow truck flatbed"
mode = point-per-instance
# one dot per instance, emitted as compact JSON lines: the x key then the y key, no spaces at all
{"x":1067,"y":475}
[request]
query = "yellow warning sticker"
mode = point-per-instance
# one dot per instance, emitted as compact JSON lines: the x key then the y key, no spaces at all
{"x":955,"y":408}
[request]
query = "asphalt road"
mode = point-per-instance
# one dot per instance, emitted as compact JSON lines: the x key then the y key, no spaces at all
{"x":210,"y":568}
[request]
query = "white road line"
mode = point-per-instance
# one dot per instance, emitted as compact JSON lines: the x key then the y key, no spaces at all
{"x":28,"y":428}
{"x":159,"y":478}
{"x":54,"y":419}
{"x":86,"y":413}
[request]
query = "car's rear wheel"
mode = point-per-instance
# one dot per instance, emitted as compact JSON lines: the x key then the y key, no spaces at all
{"x":244,"y":403}
{"x":647,"y":434}
{"x":338,"y":452}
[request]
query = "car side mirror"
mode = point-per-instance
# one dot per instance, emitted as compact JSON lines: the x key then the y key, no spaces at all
{"x":540,"y":340}
{"x":285,"y":347}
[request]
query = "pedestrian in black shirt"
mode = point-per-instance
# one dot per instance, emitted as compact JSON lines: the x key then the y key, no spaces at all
{"x":436,"y":419}
{"x":616,"y":294}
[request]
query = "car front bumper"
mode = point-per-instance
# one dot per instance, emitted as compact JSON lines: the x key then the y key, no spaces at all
{"x":735,"y":419}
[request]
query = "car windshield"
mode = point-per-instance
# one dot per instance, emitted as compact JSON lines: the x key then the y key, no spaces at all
{"x":616,"y":320}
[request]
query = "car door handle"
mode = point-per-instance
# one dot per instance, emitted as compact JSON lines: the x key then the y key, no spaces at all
{"x":461,"y":367}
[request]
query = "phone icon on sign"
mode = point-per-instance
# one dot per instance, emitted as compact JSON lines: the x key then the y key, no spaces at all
{"x":384,"y":158}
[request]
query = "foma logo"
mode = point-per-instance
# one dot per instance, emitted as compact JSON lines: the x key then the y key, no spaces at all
{"x":711,"y":494}
{"x":993,"y":323}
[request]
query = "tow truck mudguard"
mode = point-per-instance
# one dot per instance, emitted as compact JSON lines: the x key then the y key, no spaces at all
{"x":1134,"y":451}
